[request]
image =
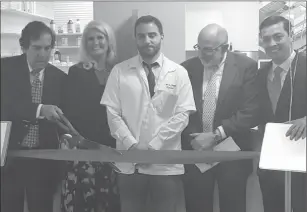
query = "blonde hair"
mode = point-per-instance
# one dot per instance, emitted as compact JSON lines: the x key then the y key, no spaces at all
{"x":108,"y":32}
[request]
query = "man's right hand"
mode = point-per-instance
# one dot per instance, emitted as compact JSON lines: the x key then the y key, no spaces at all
{"x":139,"y":146}
{"x":50,"y":112}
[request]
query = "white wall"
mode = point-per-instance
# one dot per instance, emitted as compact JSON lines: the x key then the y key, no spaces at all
{"x":241,"y":19}
{"x":119,"y":16}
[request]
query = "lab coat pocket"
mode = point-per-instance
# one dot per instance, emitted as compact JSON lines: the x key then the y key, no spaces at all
{"x":165,"y":103}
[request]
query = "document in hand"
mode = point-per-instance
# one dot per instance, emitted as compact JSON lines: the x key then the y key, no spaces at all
{"x":5,"y":134}
{"x":279,"y":152}
{"x":227,"y":145}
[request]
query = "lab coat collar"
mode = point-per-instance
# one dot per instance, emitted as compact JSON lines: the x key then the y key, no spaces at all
{"x":166,"y":67}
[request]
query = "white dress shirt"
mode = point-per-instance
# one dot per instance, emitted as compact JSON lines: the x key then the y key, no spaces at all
{"x":207,"y":75}
{"x":285,"y":67}
{"x":134,"y":117}
{"x":41,"y":78}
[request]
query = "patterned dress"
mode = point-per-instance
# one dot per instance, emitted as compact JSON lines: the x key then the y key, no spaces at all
{"x":88,"y":187}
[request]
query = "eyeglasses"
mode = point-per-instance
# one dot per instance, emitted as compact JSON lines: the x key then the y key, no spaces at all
{"x":276,"y":38}
{"x":209,"y":50}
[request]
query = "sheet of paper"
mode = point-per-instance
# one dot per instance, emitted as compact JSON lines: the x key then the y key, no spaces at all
{"x":3,"y":131}
{"x":279,"y":152}
{"x":227,"y":145}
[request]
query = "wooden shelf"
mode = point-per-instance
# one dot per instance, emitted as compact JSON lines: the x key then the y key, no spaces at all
{"x":24,"y":14}
{"x":15,"y":34}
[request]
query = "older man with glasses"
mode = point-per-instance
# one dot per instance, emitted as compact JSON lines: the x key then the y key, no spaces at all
{"x":225,"y":93}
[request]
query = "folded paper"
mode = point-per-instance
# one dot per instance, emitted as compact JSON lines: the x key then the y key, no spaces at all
{"x":227,"y":145}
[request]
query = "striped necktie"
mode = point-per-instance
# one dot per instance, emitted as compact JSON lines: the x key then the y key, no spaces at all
{"x":151,"y":77}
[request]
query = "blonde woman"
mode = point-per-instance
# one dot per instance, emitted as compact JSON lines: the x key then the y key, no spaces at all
{"x":90,"y":186}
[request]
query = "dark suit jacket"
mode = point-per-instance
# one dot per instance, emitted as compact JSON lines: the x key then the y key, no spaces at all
{"x":16,"y":103}
{"x":82,"y":105}
{"x":299,"y":103}
{"x":237,"y":103}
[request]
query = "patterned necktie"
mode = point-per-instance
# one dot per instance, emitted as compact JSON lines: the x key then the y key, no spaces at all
{"x":276,"y":87}
{"x":32,"y":138}
{"x":151,"y":77}
{"x":209,"y":103}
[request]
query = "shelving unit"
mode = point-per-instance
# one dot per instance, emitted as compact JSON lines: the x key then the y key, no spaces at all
{"x":14,"y":34}
{"x":70,"y":49}
{"x":67,"y":47}
{"x":13,"y":20}
{"x":69,"y":34}
{"x":23,"y":14}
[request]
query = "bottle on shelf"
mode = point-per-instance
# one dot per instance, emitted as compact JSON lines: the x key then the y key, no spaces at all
{"x":60,"y":30}
{"x":79,"y":38}
{"x":78,"y":26}
{"x":70,"y":26}
{"x":64,"y":41}
{"x":52,"y":25}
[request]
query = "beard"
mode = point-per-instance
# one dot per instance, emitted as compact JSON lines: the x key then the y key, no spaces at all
{"x":149,"y":51}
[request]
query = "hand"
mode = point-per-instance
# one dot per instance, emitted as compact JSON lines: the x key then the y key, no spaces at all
{"x":139,"y":146}
{"x":68,"y":141}
{"x":203,"y":141}
{"x":297,"y":130}
{"x":50,"y":112}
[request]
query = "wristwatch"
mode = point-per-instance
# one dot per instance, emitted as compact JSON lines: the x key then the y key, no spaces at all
{"x":218,"y":137}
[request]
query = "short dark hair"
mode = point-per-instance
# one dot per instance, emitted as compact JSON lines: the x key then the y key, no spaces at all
{"x":33,"y":31}
{"x":276,"y":19}
{"x":148,"y":19}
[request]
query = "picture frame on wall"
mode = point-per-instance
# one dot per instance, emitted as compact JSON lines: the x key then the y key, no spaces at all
{"x":5,"y":136}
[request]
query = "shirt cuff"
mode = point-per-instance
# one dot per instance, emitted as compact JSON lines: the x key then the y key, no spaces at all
{"x":38,"y":112}
{"x":129,"y":141}
{"x":155,"y":144}
{"x":223,"y":134}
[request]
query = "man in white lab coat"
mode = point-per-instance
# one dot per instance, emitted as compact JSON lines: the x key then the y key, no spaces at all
{"x":149,"y":99}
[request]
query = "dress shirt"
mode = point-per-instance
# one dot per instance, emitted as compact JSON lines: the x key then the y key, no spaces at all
{"x":155,"y":69}
{"x":41,"y":78}
{"x":285,"y":66}
{"x":207,"y":75}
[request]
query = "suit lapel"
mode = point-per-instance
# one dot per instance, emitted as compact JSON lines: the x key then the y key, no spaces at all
{"x":23,"y":77}
{"x":267,"y":100}
{"x":47,"y":85}
{"x":197,"y":77}
{"x":229,"y":74}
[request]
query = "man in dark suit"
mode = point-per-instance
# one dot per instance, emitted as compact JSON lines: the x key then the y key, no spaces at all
{"x":31,"y":91}
{"x":224,"y":87}
{"x":285,"y":72}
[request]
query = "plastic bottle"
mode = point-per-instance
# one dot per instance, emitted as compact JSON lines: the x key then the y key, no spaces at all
{"x":78,"y":26}
{"x":52,"y":25}
{"x":70,"y":26}
{"x":79,"y":41}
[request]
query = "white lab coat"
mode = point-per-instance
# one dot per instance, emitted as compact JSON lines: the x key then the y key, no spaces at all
{"x":156,"y":121}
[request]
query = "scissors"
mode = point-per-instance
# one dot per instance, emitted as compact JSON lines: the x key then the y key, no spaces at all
{"x":82,"y":142}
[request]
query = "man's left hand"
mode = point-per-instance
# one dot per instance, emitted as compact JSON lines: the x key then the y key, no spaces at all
{"x":203,"y":141}
{"x":297,"y":130}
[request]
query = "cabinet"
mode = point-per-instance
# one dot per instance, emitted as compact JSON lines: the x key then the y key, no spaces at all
{"x":14,"y":17}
